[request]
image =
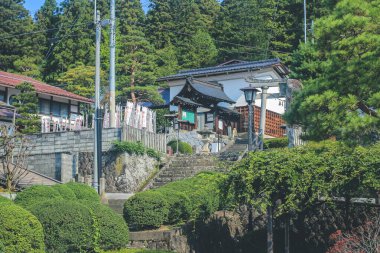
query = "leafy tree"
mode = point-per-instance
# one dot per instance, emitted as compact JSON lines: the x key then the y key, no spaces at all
{"x":148,"y":93}
{"x":26,"y":103}
{"x":341,"y":95}
{"x":80,"y":80}
{"x":199,"y":51}
{"x":166,"y":60}
{"x":14,"y":21}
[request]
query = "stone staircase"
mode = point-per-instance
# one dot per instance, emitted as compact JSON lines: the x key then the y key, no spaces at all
{"x":184,"y":166}
{"x":235,"y":151}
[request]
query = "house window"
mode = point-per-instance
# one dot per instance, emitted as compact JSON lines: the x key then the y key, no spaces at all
{"x":2,"y":95}
{"x":64,"y":110}
{"x":44,"y":106}
{"x":57,"y":109}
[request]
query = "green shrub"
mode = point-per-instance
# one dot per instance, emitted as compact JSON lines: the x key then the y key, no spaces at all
{"x":20,"y":231}
{"x":113,"y":229}
{"x":183,"y":147}
{"x":276,"y":143}
{"x":153,"y":153}
{"x":202,"y":191}
{"x":36,"y":194}
{"x":65,"y":191}
{"x":179,"y":205}
{"x":84,"y":192}
{"x":4,"y":200}
{"x":135,"y":148}
{"x":68,"y":225}
{"x":146,"y":210}
{"x":132,"y":148}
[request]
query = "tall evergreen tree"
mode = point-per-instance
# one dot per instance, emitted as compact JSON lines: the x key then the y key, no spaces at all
{"x":135,"y":60}
{"x":341,"y":94}
{"x":184,"y":25}
{"x":73,"y":42}
{"x":26,"y":103}
{"x":17,"y":42}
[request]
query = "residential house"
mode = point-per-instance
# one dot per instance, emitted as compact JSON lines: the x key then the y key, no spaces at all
{"x":54,"y":103}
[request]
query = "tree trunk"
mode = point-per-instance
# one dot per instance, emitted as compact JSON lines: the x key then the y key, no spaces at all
{"x":133,"y":95}
{"x":269,"y":230}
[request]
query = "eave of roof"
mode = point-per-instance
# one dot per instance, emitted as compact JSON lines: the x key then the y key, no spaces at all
{"x":229,"y":68}
{"x":12,"y":80}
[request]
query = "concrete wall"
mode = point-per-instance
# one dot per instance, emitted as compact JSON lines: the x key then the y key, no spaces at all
{"x":56,"y":154}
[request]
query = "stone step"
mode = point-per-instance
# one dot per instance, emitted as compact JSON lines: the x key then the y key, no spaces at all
{"x":176,"y":168}
{"x":117,"y":205}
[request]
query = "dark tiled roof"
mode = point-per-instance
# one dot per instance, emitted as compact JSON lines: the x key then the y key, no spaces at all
{"x":187,"y":101}
{"x":12,"y":80}
{"x":222,"y":68}
{"x":210,"y":90}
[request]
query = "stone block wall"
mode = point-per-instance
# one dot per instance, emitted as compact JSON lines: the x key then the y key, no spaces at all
{"x":76,"y":141}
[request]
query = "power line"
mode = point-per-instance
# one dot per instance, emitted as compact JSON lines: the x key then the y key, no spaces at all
{"x":42,"y":31}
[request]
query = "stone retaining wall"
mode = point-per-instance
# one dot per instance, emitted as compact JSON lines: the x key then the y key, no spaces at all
{"x":172,"y":240}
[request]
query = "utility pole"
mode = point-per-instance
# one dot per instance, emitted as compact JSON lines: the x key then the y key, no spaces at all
{"x":304,"y":19}
{"x":97,"y":120}
{"x":112,"y":66}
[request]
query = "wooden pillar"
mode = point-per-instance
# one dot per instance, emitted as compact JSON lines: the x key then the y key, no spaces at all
{"x":195,"y":119}
{"x":6,"y":101}
{"x":216,"y":118}
{"x":179,"y":116}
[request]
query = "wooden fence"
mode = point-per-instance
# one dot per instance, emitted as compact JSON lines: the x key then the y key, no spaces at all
{"x":149,"y":139}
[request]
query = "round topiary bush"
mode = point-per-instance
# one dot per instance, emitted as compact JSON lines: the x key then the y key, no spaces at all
{"x":114,"y":233}
{"x":20,"y":231}
{"x":36,"y":194}
{"x":183,"y":147}
{"x":5,"y":201}
{"x":65,"y":191}
{"x":179,"y":205}
{"x":84,"y":192}
{"x":146,"y":210}
{"x":69,"y":226}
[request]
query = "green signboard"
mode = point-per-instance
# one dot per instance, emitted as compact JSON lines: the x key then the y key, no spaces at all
{"x":189,"y":116}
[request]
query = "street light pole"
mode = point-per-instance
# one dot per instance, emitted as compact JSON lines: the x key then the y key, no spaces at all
{"x":250,"y":126}
{"x":250,"y":97}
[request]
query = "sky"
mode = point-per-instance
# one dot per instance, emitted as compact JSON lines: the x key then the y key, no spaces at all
{"x":34,"y":5}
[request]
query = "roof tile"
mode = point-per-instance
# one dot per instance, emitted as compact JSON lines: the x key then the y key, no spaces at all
{"x":12,"y":80}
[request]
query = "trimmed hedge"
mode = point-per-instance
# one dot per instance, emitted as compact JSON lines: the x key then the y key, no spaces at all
{"x":276,"y":143}
{"x":84,"y":192}
{"x":68,"y":225}
{"x":179,"y":205}
{"x":20,"y":231}
{"x":4,"y":200}
{"x":183,"y":147}
{"x":146,"y":210}
{"x":202,"y":191}
{"x":114,"y":232}
{"x":36,"y":194}
{"x":193,"y":198}
{"x":65,"y":191}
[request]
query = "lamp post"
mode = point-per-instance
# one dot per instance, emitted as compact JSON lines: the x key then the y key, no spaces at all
{"x":250,"y":97}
